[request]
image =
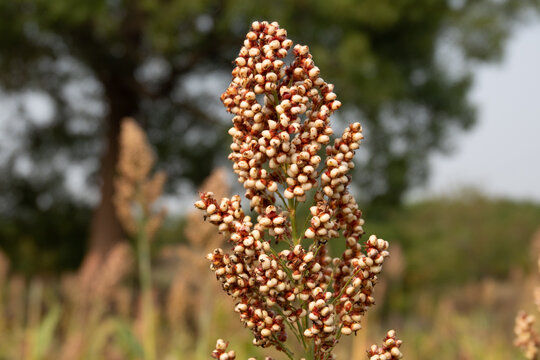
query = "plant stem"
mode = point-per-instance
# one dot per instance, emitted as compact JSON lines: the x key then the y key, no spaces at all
{"x":311,"y":354}
{"x":145,"y":278}
{"x":343,"y":288}
{"x":286,"y":321}
{"x":284,"y":348}
{"x":301,"y":334}
{"x":282,"y":199}
{"x":292,"y":214}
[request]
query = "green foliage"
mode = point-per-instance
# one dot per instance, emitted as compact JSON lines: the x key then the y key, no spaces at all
{"x":45,"y":231}
{"x":128,"y":341}
{"x":452,"y":241}
{"x":45,"y":333}
{"x":450,"y":333}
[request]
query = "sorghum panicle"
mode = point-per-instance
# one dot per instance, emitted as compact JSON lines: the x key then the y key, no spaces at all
{"x":281,"y":126}
{"x":527,"y":338}
{"x":134,"y":183}
{"x":221,"y":352}
{"x":389,"y":349}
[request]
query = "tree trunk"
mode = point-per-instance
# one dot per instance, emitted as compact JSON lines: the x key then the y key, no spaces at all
{"x":105,"y":229}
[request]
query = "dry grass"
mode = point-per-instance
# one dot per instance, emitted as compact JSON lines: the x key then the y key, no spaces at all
{"x":41,"y":319}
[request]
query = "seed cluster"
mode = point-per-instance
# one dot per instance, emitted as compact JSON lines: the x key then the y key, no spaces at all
{"x":270,"y":130}
{"x":527,"y":338}
{"x":281,"y":127}
{"x":134,"y":183}
{"x":221,"y":352}
{"x":355,"y":278}
{"x":389,"y":350}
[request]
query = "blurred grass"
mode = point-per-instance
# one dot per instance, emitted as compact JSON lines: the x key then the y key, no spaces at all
{"x":449,"y":241}
{"x":468,"y":265}
{"x":460,"y":267}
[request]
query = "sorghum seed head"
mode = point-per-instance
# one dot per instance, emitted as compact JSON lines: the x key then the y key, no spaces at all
{"x":281,"y":126}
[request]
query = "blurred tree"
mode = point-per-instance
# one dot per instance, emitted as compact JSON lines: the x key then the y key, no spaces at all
{"x":402,"y":66}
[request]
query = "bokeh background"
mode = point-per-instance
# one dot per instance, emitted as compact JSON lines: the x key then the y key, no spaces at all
{"x":449,"y":173}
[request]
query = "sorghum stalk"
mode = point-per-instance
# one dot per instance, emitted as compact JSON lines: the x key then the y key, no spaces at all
{"x":145,"y":277}
{"x":281,"y":123}
{"x":136,"y":193}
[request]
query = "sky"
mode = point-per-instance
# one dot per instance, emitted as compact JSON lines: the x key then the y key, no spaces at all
{"x":501,"y":155}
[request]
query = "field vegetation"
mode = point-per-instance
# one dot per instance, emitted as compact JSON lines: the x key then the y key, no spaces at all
{"x":453,"y":289}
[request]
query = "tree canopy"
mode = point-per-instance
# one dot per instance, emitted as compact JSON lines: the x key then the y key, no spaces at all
{"x":403,"y":67}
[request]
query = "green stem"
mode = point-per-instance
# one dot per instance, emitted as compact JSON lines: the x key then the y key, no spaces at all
{"x":276,"y":98}
{"x":301,"y":334}
{"x":345,"y":285}
{"x":288,"y":352}
{"x":292,"y":214}
{"x":311,"y":354}
{"x":283,"y":266}
{"x":145,"y":278}
{"x":296,"y":334}
{"x":282,"y":199}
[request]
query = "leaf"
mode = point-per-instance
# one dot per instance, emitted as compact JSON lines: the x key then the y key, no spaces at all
{"x":45,"y":332}
{"x":128,"y":341}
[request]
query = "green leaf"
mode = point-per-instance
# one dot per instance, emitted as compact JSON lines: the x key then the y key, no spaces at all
{"x":128,"y":341}
{"x":46,"y":331}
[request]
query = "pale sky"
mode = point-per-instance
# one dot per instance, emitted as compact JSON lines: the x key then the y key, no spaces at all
{"x":501,"y":154}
